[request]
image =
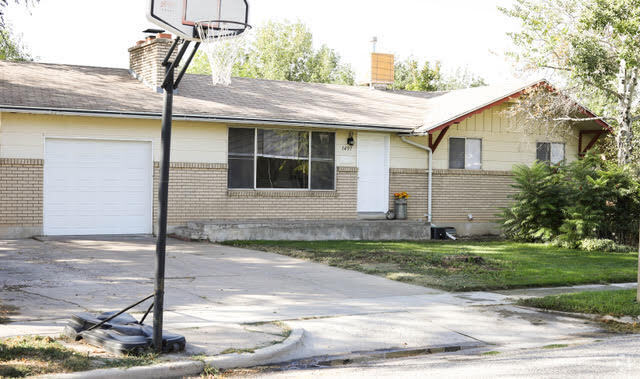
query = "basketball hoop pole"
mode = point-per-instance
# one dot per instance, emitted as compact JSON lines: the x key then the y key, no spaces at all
{"x":169,"y":85}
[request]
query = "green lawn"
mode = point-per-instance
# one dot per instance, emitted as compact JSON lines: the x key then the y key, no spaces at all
{"x":463,"y":266}
{"x":614,"y":303}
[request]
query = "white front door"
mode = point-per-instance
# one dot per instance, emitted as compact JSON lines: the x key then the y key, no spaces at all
{"x":97,"y":187}
{"x":373,"y":173}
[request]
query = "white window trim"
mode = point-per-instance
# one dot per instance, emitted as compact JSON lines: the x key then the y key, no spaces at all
{"x":309,"y":159}
{"x":465,"y":153}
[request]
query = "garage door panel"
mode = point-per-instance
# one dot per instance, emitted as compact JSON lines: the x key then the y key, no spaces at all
{"x":97,"y":187}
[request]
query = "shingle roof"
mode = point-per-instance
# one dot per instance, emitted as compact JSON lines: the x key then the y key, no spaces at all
{"x":54,"y":86}
{"x":28,"y":86}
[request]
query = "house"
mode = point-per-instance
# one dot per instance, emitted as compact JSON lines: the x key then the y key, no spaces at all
{"x":80,"y":146}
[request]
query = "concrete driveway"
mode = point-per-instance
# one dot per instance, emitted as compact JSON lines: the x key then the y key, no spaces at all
{"x":214,"y":292}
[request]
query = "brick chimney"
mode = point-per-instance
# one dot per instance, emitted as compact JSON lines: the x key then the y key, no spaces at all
{"x":145,"y":59}
{"x":382,"y":70}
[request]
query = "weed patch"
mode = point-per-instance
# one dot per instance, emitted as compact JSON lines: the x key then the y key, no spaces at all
{"x":36,"y":355}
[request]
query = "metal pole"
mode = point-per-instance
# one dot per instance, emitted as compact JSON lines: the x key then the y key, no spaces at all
{"x":163,"y":199}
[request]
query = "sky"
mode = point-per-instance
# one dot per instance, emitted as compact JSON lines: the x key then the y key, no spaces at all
{"x":459,"y":33}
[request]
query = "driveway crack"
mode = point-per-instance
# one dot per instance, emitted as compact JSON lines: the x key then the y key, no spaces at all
{"x":53,"y":298}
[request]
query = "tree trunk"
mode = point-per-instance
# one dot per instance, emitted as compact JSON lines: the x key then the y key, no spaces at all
{"x":627,"y":83}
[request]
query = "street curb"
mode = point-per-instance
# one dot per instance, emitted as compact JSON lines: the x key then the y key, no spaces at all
{"x":264,"y":356}
{"x":164,"y":370}
{"x":180,"y":369}
{"x":361,"y":357}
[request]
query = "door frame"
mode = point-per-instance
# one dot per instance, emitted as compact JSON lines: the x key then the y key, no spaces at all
{"x":106,"y":139}
{"x":386,"y":168}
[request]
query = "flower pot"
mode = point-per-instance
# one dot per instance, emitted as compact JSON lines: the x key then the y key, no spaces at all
{"x":400,"y":209}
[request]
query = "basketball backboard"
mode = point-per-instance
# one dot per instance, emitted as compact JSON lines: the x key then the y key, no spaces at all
{"x":180,"y":16}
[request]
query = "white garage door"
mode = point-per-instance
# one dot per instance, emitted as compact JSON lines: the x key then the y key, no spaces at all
{"x":97,"y":187}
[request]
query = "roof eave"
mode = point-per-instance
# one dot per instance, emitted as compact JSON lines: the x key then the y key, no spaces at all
{"x":513,"y":95}
{"x":206,"y":118}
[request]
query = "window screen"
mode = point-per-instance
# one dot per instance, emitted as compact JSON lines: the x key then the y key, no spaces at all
{"x":456,"y":153}
{"x":473,"y":156}
{"x":543,"y":152}
{"x":323,"y":153}
{"x":241,"y":158}
{"x":557,"y":153}
{"x":550,"y":152}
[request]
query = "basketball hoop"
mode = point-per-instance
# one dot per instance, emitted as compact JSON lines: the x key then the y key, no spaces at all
{"x":222,"y":39}
{"x":222,"y":43}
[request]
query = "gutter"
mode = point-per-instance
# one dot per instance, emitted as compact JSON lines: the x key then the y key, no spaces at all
{"x":201,"y":118}
{"x":430,"y":162}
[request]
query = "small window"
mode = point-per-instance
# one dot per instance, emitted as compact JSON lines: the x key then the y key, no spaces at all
{"x":465,"y":153}
{"x":323,"y":157}
{"x":241,"y":158}
{"x":550,"y":152}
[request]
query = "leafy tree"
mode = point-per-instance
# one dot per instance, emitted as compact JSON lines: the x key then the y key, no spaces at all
{"x":461,"y":78}
{"x":11,"y":48}
{"x":594,"y":47}
{"x":284,"y":51}
{"x":3,"y":7}
{"x":409,"y":76}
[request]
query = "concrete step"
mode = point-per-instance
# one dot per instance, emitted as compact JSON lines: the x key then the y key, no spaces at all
{"x":187,"y":234}
{"x":320,"y":230}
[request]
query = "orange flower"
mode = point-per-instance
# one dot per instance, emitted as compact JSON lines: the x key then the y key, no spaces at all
{"x":401,"y":195}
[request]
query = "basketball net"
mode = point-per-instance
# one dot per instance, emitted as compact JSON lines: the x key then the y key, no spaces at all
{"x":222,"y":47}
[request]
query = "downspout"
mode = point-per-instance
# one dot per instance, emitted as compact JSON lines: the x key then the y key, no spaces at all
{"x":430,"y":162}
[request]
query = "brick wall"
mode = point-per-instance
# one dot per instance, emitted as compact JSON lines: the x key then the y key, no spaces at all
{"x":199,"y":191}
{"x":21,"y":192}
{"x":458,"y":193}
{"x":415,"y":183}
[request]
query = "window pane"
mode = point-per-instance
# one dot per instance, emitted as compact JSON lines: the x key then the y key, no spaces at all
{"x":283,"y":144}
{"x":282,"y":173}
{"x":456,"y":153}
{"x":557,"y":152}
{"x":241,"y":158}
{"x":473,"y":156}
{"x":322,"y":175}
{"x":323,"y":152}
{"x":323,"y":145}
{"x":543,"y":153}
{"x":241,"y":141}
{"x":240,"y":172}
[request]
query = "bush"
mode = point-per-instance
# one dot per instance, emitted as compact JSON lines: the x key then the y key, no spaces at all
{"x":603,"y":202}
{"x":536,"y":214}
{"x":605,"y":245}
{"x":588,"y":199}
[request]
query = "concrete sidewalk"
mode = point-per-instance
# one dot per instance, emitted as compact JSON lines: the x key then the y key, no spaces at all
{"x":217,"y":296}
